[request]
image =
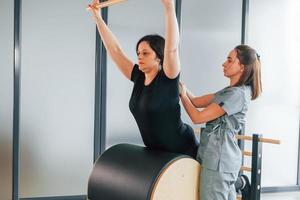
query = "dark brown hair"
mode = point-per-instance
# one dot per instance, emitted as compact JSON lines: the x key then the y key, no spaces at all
{"x":252,"y":74}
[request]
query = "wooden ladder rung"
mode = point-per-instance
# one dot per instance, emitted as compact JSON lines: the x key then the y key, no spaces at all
{"x":247,"y":153}
{"x":248,"y":169}
{"x":266,"y":140}
{"x":245,"y":137}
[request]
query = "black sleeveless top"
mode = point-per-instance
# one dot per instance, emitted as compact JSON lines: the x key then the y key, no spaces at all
{"x":156,"y":110}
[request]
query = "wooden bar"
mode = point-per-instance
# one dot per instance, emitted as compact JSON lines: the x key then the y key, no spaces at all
{"x":266,"y":140}
{"x":247,"y":153}
{"x":245,"y":137}
{"x":248,"y":169}
{"x":106,"y":4}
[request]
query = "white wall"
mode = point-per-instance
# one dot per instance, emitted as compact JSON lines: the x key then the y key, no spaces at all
{"x":57,"y":98}
{"x":274,"y":32}
{"x":6,"y":95}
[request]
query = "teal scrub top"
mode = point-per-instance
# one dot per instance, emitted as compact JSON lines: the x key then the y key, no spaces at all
{"x":218,"y":149}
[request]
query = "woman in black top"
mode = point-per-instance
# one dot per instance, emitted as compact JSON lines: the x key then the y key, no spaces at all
{"x":154,"y":102}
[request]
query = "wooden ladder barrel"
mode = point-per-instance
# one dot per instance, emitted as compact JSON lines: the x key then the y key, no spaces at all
{"x":131,"y":172}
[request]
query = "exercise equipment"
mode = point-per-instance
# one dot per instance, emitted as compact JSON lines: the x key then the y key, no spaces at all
{"x":256,"y":160}
{"x":131,"y":172}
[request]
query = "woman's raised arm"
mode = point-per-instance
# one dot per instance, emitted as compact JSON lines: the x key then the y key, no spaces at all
{"x":111,"y":43}
{"x":171,"y":63}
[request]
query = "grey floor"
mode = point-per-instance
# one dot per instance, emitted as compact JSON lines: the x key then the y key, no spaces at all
{"x":281,"y":196}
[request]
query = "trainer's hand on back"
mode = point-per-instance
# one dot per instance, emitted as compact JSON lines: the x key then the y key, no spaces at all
{"x":182,"y":89}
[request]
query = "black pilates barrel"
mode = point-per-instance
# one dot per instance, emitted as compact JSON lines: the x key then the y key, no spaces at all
{"x":128,"y":172}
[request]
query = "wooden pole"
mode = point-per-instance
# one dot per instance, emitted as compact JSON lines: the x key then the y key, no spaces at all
{"x":248,"y":169}
{"x":245,"y":137}
{"x":106,"y":4}
{"x":266,"y":140}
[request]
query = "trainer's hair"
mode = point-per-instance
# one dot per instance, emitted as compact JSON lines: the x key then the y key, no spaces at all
{"x":252,"y":73}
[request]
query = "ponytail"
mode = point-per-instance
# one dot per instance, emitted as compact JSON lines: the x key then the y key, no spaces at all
{"x":252,"y":72}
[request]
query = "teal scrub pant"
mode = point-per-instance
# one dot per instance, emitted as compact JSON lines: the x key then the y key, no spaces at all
{"x":215,"y":185}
